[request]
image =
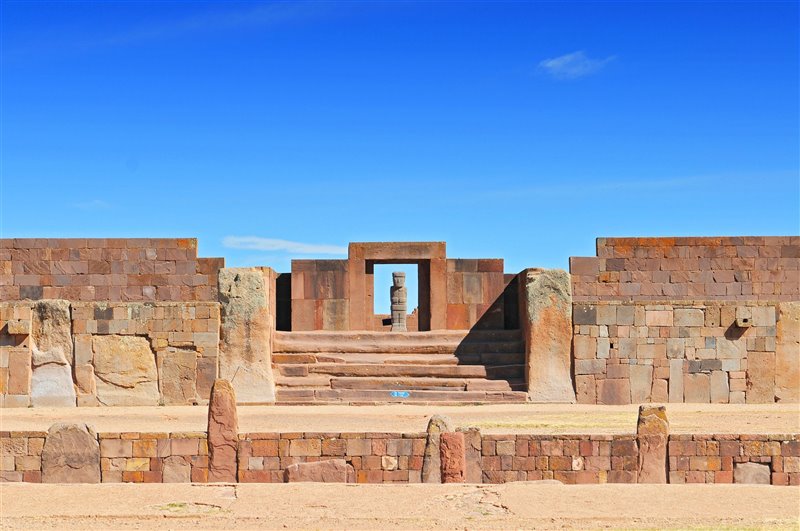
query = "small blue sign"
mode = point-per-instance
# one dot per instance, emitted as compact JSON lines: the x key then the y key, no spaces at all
{"x":400,"y":394}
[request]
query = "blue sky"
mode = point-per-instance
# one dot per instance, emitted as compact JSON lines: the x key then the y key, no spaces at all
{"x":515,"y":130}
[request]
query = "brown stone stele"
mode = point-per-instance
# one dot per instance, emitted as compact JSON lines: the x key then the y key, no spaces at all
{"x":431,"y":461}
{"x":453,"y":457}
{"x":223,"y":433}
{"x":71,"y":454}
{"x":652,"y":435}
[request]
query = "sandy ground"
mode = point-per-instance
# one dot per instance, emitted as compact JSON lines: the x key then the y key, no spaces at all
{"x":321,"y":506}
{"x":508,"y":418}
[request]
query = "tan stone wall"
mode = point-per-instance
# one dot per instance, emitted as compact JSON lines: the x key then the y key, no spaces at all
{"x":122,"y":353}
{"x":682,"y":352}
{"x":100,"y":269}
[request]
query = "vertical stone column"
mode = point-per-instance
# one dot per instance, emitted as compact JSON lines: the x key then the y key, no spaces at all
{"x":223,"y":433}
{"x":453,"y":457}
{"x":432,"y":461}
{"x":546,"y":321}
{"x":787,"y":353}
{"x":51,"y":354}
{"x":399,"y":297}
{"x":652,"y":434}
{"x":245,"y":355}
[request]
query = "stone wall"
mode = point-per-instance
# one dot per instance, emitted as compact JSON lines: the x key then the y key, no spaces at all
{"x":320,"y":295}
{"x":683,"y":352}
{"x":726,"y":268}
{"x":139,"y":457}
{"x":99,"y":269}
{"x":107,"y":353}
{"x":475,"y":294}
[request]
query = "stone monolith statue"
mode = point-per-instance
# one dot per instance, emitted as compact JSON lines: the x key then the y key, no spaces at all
{"x":399,"y":296}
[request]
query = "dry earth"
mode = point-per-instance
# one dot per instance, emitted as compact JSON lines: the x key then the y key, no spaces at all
{"x":500,"y":418}
{"x":326,"y":506}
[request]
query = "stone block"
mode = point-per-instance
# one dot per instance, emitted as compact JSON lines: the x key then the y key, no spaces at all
{"x":753,"y":473}
{"x":176,"y":470}
{"x":652,"y":435}
{"x":223,"y":433}
{"x":453,"y":457}
{"x":641,"y":378}
{"x":719,"y":391}
{"x":305,"y":447}
{"x":329,"y":471}
{"x":178,"y":374}
{"x":431,"y":463}
{"x":688,"y":317}
{"x":584,"y":347}
{"x":760,"y":378}
{"x":584,"y":314}
{"x":787,"y":354}
{"x":625,"y":314}
{"x":696,"y":388}
{"x":656,"y":351}
{"x":613,"y":391}
{"x":658,"y":318}
{"x":71,"y":454}
{"x":125,"y":371}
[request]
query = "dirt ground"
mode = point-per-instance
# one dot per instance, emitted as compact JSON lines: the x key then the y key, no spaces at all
{"x":326,"y":506}
{"x":506,"y":418}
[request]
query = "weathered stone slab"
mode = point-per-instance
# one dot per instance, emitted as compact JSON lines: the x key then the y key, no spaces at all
{"x":652,"y":434}
{"x":223,"y":433}
{"x":760,"y":378}
{"x":641,"y":383}
{"x":176,"y":470}
{"x":245,"y":357}
{"x":125,"y":371}
{"x":51,"y":355}
{"x":547,"y":328}
{"x":330,"y":471}
{"x":751,"y":473}
{"x":71,"y":454}
{"x":614,"y":391}
{"x":453,"y":457}
{"x":431,"y":462}
{"x":787,"y":355}
{"x":696,"y":388}
{"x":472,"y":452}
{"x":718,"y":387}
{"x":178,"y":376}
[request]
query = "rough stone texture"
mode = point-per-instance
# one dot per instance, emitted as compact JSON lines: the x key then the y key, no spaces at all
{"x":751,"y":473}
{"x":546,"y":304}
{"x":641,"y":383}
{"x":399,"y":297}
{"x":472,"y":453}
{"x":51,"y":355}
{"x":245,"y":357}
{"x":787,"y":355}
{"x":71,"y":454}
{"x":223,"y":433}
{"x":761,"y":377}
{"x":652,"y":434}
{"x":178,"y":370}
{"x":330,"y":471}
{"x":614,"y":391}
{"x":176,"y":470}
{"x":453,"y":457}
{"x":431,"y":462}
{"x":125,"y":371}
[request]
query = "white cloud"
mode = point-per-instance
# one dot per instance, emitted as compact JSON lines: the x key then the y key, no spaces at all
{"x":573,"y":65}
{"x":254,"y":243}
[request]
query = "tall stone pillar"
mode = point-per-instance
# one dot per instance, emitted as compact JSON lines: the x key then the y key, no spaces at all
{"x":245,"y":354}
{"x":399,"y":298}
{"x":546,"y":321}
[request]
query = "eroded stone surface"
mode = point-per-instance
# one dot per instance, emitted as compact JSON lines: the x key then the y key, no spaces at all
{"x":787,"y":355}
{"x":71,"y":454}
{"x":51,"y":355}
{"x":453,"y":458}
{"x":125,"y":371}
{"x":176,"y":470}
{"x":431,"y":462}
{"x":751,"y":473}
{"x":178,"y":374}
{"x":472,"y":453}
{"x":223,"y":433}
{"x":330,"y":471}
{"x":652,"y":433}
{"x":547,"y":325}
{"x":246,"y":343}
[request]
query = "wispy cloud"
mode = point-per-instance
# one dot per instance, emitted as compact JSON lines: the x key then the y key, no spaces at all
{"x":94,"y":204}
{"x":573,"y":65}
{"x":255,"y":243}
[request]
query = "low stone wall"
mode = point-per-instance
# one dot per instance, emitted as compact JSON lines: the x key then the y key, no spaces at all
{"x":627,"y":353}
{"x":398,"y":457}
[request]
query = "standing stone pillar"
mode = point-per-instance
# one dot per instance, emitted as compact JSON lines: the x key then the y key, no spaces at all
{"x":432,"y":460}
{"x":652,"y":434}
{"x":51,"y":355}
{"x":546,"y":321}
{"x":245,"y":354}
{"x":223,"y":433}
{"x":399,"y":297}
{"x":453,"y":457}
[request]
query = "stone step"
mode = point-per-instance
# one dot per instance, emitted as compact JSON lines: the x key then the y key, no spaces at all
{"x":387,"y":370}
{"x":457,"y":336}
{"x":492,"y":358}
{"x":357,"y":396}
{"x":400,"y":384}
{"x":397,"y":347}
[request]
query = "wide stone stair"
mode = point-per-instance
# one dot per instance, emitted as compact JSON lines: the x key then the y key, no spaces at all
{"x":453,"y":367}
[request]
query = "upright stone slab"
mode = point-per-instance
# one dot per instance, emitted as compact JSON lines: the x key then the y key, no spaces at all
{"x":51,"y":355}
{"x":751,"y":473}
{"x":71,"y":454}
{"x":223,"y":433}
{"x":546,"y":307}
{"x":472,"y":451}
{"x":125,"y":371}
{"x":328,"y":471}
{"x":453,"y":457}
{"x":652,"y":433}
{"x":431,"y":461}
{"x":787,"y":355}
{"x":245,"y":356}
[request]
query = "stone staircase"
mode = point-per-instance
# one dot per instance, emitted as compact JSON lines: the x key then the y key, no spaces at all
{"x":452,"y":367}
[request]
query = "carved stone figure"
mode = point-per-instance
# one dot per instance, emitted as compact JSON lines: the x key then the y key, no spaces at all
{"x":399,"y":295}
